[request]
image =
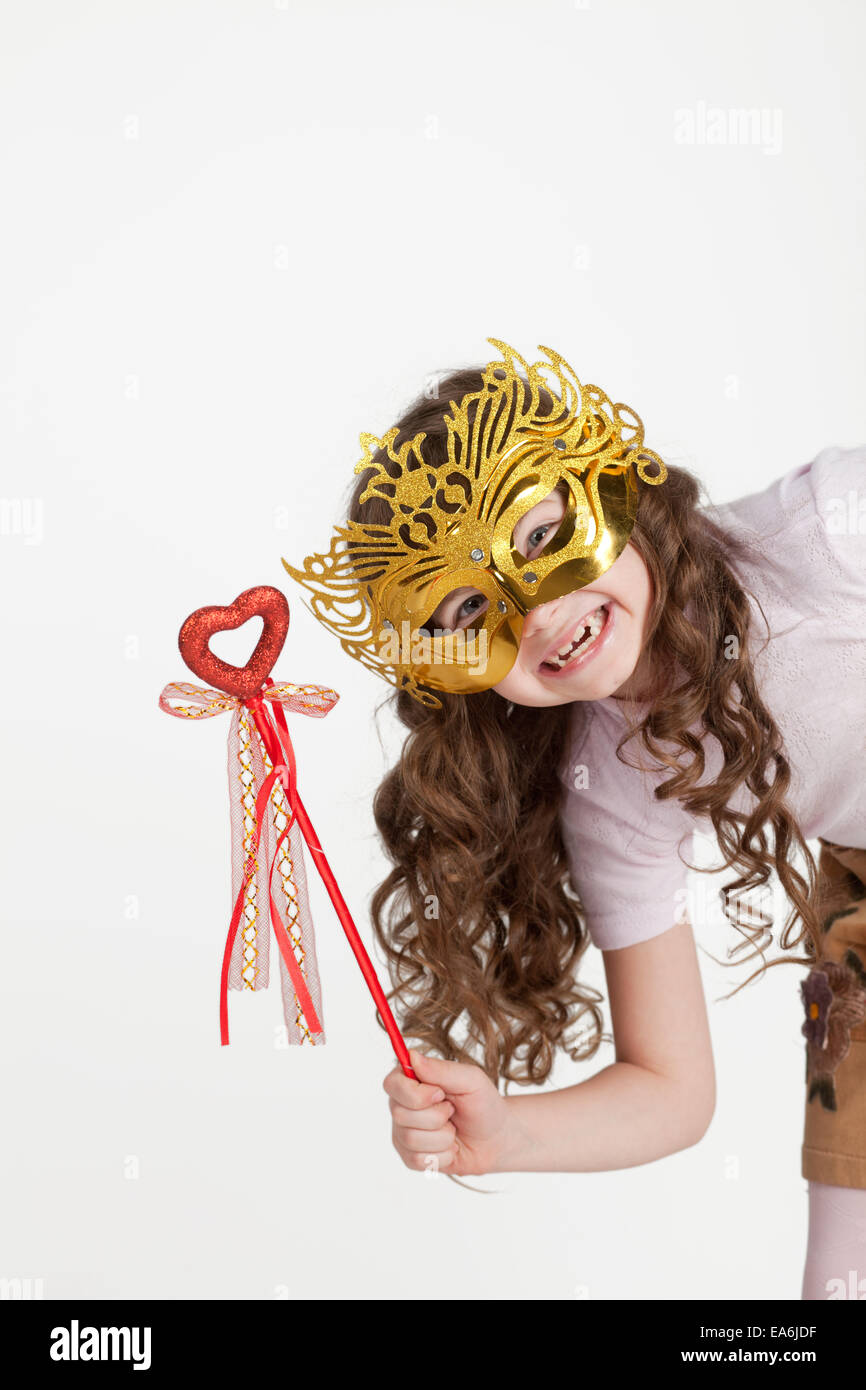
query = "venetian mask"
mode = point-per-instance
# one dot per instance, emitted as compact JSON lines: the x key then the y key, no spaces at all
{"x":529,"y":431}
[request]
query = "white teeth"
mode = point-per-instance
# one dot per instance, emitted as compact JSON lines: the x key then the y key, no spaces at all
{"x":595,"y":623}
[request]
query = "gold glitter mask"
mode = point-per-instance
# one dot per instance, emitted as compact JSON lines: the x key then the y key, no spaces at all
{"x":452,"y":526}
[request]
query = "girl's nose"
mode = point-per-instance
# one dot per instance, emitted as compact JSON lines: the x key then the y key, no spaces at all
{"x":537,"y":619}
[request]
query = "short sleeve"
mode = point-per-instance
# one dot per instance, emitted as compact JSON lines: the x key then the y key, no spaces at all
{"x":632,"y":883}
{"x":628,"y":894}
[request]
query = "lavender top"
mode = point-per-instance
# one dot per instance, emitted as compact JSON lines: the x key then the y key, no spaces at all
{"x":623,"y":846}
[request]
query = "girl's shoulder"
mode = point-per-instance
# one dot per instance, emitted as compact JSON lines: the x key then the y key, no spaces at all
{"x":808,"y":520}
{"x":835,"y":484}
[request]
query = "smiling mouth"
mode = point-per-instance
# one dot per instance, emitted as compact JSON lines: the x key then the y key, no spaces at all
{"x":591,"y":629}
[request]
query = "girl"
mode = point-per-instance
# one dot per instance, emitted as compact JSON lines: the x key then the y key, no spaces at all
{"x":565,"y":596}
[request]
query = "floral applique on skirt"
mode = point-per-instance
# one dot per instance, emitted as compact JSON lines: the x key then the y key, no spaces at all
{"x":834,"y":1001}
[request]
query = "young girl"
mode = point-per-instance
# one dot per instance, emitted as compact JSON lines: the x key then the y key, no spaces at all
{"x":543,"y":591}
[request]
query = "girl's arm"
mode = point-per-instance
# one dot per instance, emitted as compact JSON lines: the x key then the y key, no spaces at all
{"x":657,"y":1097}
{"x":659,"y":1094}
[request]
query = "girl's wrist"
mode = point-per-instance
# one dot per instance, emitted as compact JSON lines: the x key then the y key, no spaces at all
{"x":515,"y":1141}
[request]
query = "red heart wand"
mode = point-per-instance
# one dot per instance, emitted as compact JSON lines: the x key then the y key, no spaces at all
{"x":268,"y":817}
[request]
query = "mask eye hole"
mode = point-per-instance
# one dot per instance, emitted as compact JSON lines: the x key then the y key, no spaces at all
{"x":535,"y":531}
{"x":460,"y":611}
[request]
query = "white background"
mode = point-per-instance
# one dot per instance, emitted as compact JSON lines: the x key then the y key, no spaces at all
{"x":235,"y":235}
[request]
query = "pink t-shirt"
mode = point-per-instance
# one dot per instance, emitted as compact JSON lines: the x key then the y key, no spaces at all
{"x":623,"y":845}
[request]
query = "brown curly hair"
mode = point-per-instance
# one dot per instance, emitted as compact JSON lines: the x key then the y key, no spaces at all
{"x":483,"y":931}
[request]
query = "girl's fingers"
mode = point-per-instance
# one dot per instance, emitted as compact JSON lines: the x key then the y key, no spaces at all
{"x":428,"y":1161}
{"x":434,"y":1117}
{"x":435,"y":1141}
{"x":414,"y":1095}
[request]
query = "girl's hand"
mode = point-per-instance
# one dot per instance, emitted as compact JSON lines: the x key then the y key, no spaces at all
{"x":452,"y":1120}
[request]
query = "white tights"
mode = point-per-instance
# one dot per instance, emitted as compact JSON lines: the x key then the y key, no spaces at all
{"x":836,"y":1253}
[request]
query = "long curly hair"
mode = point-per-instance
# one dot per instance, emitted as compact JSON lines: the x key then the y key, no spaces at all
{"x":479,"y":921}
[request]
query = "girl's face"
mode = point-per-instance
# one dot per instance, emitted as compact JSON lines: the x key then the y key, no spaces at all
{"x":608,"y":617}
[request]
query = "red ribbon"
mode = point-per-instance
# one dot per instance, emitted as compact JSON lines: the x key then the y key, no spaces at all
{"x":283,"y":739}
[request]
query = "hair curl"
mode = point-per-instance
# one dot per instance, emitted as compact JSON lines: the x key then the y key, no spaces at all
{"x":469,"y":815}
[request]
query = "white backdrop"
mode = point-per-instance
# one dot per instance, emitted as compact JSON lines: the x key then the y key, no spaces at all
{"x":236,"y":235}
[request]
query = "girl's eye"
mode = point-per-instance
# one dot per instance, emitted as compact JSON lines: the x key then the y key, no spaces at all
{"x":470,"y":606}
{"x":539,"y":531}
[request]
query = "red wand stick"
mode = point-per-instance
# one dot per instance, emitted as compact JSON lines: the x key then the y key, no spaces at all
{"x":273,"y":749}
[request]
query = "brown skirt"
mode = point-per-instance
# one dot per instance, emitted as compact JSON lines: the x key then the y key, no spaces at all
{"x":834,"y":1000}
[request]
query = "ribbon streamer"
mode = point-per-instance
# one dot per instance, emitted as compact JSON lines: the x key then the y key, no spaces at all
{"x":268,"y":819}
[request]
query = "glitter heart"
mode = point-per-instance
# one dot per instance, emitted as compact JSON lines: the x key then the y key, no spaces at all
{"x":242,"y":681}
